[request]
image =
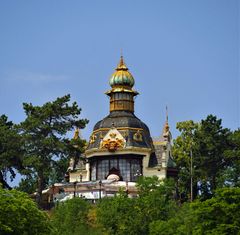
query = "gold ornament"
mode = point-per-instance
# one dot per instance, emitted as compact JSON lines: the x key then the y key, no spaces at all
{"x":93,"y":138}
{"x":138,"y":136}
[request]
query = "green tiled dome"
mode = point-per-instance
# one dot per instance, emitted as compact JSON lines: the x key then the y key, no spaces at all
{"x":121,"y":77}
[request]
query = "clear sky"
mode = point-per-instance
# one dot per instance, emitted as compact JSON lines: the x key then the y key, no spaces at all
{"x":184,"y":54}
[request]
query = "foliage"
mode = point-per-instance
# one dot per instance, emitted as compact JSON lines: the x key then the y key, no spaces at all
{"x":231,"y":175}
{"x":19,"y":215}
{"x":124,"y":215}
{"x":207,"y":141}
{"x":185,"y":145}
{"x":120,"y":215}
{"x":219,"y":215}
{"x":177,"y":224}
{"x":58,"y":171}
{"x":147,"y":184}
{"x":28,"y":184}
{"x":71,"y":217}
{"x":213,"y":141}
{"x":158,"y":202}
{"x":44,"y":131}
{"x":10,"y":151}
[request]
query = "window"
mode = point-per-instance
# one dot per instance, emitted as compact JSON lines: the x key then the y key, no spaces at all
{"x":129,"y":167}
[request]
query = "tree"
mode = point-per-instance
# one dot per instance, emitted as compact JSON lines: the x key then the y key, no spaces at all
{"x":213,"y":141}
{"x":156,"y":203}
{"x":44,"y":131}
{"x":120,"y":215}
{"x":185,"y":146}
{"x":71,"y":217}
{"x":28,"y":184}
{"x":179,"y":223}
{"x":19,"y":215}
{"x":124,"y":215}
{"x":10,"y":151}
{"x":219,"y":215}
{"x":231,"y":175}
{"x":207,"y":141}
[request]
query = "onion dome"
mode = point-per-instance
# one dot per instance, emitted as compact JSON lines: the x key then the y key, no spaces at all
{"x":121,"y":77}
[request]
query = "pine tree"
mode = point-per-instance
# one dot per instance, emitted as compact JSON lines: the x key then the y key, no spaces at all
{"x":44,"y":132}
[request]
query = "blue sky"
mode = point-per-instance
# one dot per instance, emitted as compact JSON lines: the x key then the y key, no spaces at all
{"x":184,"y":54}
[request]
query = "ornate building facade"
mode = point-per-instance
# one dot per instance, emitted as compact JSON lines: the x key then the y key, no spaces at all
{"x":120,"y":148}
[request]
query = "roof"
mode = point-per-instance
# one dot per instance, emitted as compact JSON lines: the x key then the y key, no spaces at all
{"x":135,"y":132}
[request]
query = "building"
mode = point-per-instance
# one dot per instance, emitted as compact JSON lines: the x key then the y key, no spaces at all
{"x":120,"y":148}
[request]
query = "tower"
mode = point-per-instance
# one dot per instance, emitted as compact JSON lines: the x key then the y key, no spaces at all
{"x":120,"y":142}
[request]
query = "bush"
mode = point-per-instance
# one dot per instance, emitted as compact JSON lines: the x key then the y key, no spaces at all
{"x":71,"y":217}
{"x":20,"y":215}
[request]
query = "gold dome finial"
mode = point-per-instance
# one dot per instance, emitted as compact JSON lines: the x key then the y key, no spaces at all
{"x":76,"y":134}
{"x":121,"y":65}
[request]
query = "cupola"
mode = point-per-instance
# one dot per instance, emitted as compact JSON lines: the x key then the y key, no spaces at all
{"x":122,"y":94}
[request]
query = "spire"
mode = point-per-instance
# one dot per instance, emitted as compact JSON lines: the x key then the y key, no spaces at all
{"x":121,"y":65}
{"x":166,"y":113}
{"x":166,"y":125}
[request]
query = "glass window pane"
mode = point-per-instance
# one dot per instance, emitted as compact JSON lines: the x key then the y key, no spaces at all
{"x":93,"y":171}
{"x":136,"y":169}
{"x":124,"y":167}
{"x":103,"y":169}
{"x":113,"y":163}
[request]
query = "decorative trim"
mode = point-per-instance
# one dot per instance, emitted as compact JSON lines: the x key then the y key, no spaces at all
{"x":127,"y":150}
{"x":118,"y":128}
{"x":113,"y":140}
{"x":160,"y":142}
{"x":93,"y":138}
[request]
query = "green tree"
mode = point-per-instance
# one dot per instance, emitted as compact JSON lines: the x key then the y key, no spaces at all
{"x":219,"y":215}
{"x":119,"y":215}
{"x":71,"y":217}
{"x":19,"y":215}
{"x":231,"y":175}
{"x":28,"y":184}
{"x":184,"y":146}
{"x":123,"y":215}
{"x":57,"y":173}
{"x":10,"y":151}
{"x":158,"y":202}
{"x":213,"y":142}
{"x":207,"y":141}
{"x":179,"y":223}
{"x":44,"y":131}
